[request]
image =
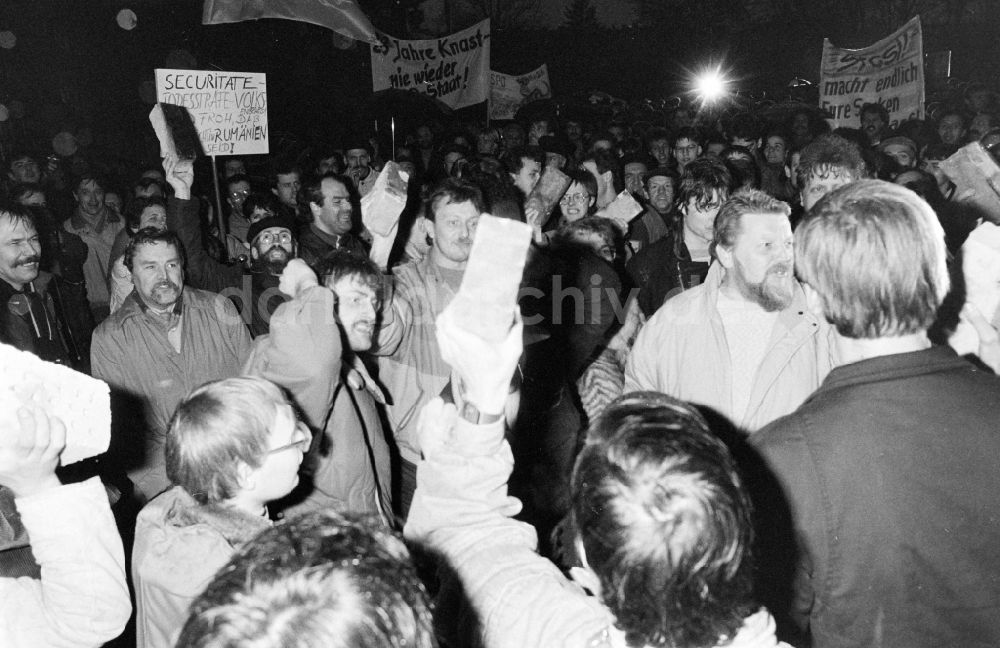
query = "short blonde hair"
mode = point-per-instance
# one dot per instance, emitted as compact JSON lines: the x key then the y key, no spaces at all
{"x":875,"y":253}
{"x":219,"y":425}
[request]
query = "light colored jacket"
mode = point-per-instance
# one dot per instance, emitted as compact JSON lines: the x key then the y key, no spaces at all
{"x":682,"y":352}
{"x":131,"y":352}
{"x":81,"y":600}
{"x":410,"y":363}
{"x":461,"y":510}
{"x":179,"y":546}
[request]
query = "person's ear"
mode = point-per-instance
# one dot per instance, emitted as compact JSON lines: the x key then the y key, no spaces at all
{"x":426,"y":225}
{"x":254,"y":253}
{"x":584,"y":576}
{"x":725,"y":256}
{"x":814,"y":302}
{"x":246,"y":478}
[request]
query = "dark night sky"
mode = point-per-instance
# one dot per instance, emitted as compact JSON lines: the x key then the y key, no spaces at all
{"x":74,"y":67}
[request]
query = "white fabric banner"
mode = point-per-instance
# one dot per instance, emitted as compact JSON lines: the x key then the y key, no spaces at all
{"x":890,"y":72}
{"x":453,"y":69}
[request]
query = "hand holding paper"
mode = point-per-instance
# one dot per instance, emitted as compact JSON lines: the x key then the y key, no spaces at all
{"x":621,"y":210}
{"x":29,"y":453}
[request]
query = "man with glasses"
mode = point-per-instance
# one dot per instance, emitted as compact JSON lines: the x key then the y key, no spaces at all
{"x":330,"y":202}
{"x":687,"y":147}
{"x":234,"y":445}
{"x":272,"y":245}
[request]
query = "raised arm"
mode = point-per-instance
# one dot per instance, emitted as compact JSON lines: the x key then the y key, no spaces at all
{"x":461,"y":509}
{"x":202,"y":270}
{"x":81,"y":599}
{"x":303,"y":351}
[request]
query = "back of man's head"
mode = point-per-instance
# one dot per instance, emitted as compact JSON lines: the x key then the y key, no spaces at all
{"x":323,"y":579}
{"x":664,"y":522}
{"x":874,"y":252}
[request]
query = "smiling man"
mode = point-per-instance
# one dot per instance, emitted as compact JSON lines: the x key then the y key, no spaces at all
{"x":329,"y":200}
{"x":98,"y":226}
{"x":29,"y":319}
{"x":163,"y":342}
{"x":348,"y":467}
{"x":743,"y":342}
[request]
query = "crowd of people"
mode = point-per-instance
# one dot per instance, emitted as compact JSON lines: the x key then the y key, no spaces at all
{"x":733,"y":420}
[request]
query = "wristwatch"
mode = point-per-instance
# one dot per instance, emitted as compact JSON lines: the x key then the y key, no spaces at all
{"x":471,"y":413}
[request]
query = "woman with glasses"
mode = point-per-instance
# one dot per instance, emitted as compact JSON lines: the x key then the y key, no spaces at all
{"x":233,"y":446}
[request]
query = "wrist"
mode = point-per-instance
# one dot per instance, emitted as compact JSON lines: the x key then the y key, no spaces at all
{"x":34,"y":487}
{"x":474,"y":415}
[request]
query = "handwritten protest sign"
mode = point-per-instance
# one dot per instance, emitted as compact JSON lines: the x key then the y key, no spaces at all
{"x":453,"y":69}
{"x":229,"y":109}
{"x":508,"y":92}
{"x":890,"y":72}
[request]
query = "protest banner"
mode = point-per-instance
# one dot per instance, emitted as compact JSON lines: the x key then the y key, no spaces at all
{"x":229,"y":109}
{"x":508,"y":92}
{"x":890,"y":73}
{"x":453,"y":69}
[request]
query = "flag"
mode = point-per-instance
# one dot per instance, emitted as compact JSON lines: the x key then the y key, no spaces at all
{"x":342,"y":16}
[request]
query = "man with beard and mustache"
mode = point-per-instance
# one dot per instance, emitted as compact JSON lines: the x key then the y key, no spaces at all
{"x":272,"y":244}
{"x":348,"y":467}
{"x":743,"y":342}
{"x":330,"y":201}
{"x":890,"y":467}
{"x":164,"y":341}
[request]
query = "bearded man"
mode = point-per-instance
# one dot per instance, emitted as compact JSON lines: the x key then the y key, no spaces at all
{"x":272,"y":244}
{"x":743,"y":342}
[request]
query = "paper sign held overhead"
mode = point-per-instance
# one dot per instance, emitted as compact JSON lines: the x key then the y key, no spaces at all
{"x":229,"y":109}
{"x":487,"y":298}
{"x":453,"y":69}
{"x":890,"y":72}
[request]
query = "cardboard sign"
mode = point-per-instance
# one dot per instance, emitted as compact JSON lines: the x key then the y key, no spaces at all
{"x":508,"y":93}
{"x":82,"y":403}
{"x":890,"y":72}
{"x":453,"y":69}
{"x":229,"y":109}
{"x":487,"y":298}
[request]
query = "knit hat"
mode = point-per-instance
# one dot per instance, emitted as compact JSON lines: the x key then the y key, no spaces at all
{"x":268,"y":223}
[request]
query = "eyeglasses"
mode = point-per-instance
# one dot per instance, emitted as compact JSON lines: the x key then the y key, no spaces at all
{"x":267,"y":238}
{"x":239,"y":194}
{"x":570,"y":199}
{"x":302,"y":444}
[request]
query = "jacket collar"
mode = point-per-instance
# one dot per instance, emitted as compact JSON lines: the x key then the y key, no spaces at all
{"x":236,"y":526}
{"x":895,"y":366}
{"x":78,"y":222}
{"x":791,"y":315}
